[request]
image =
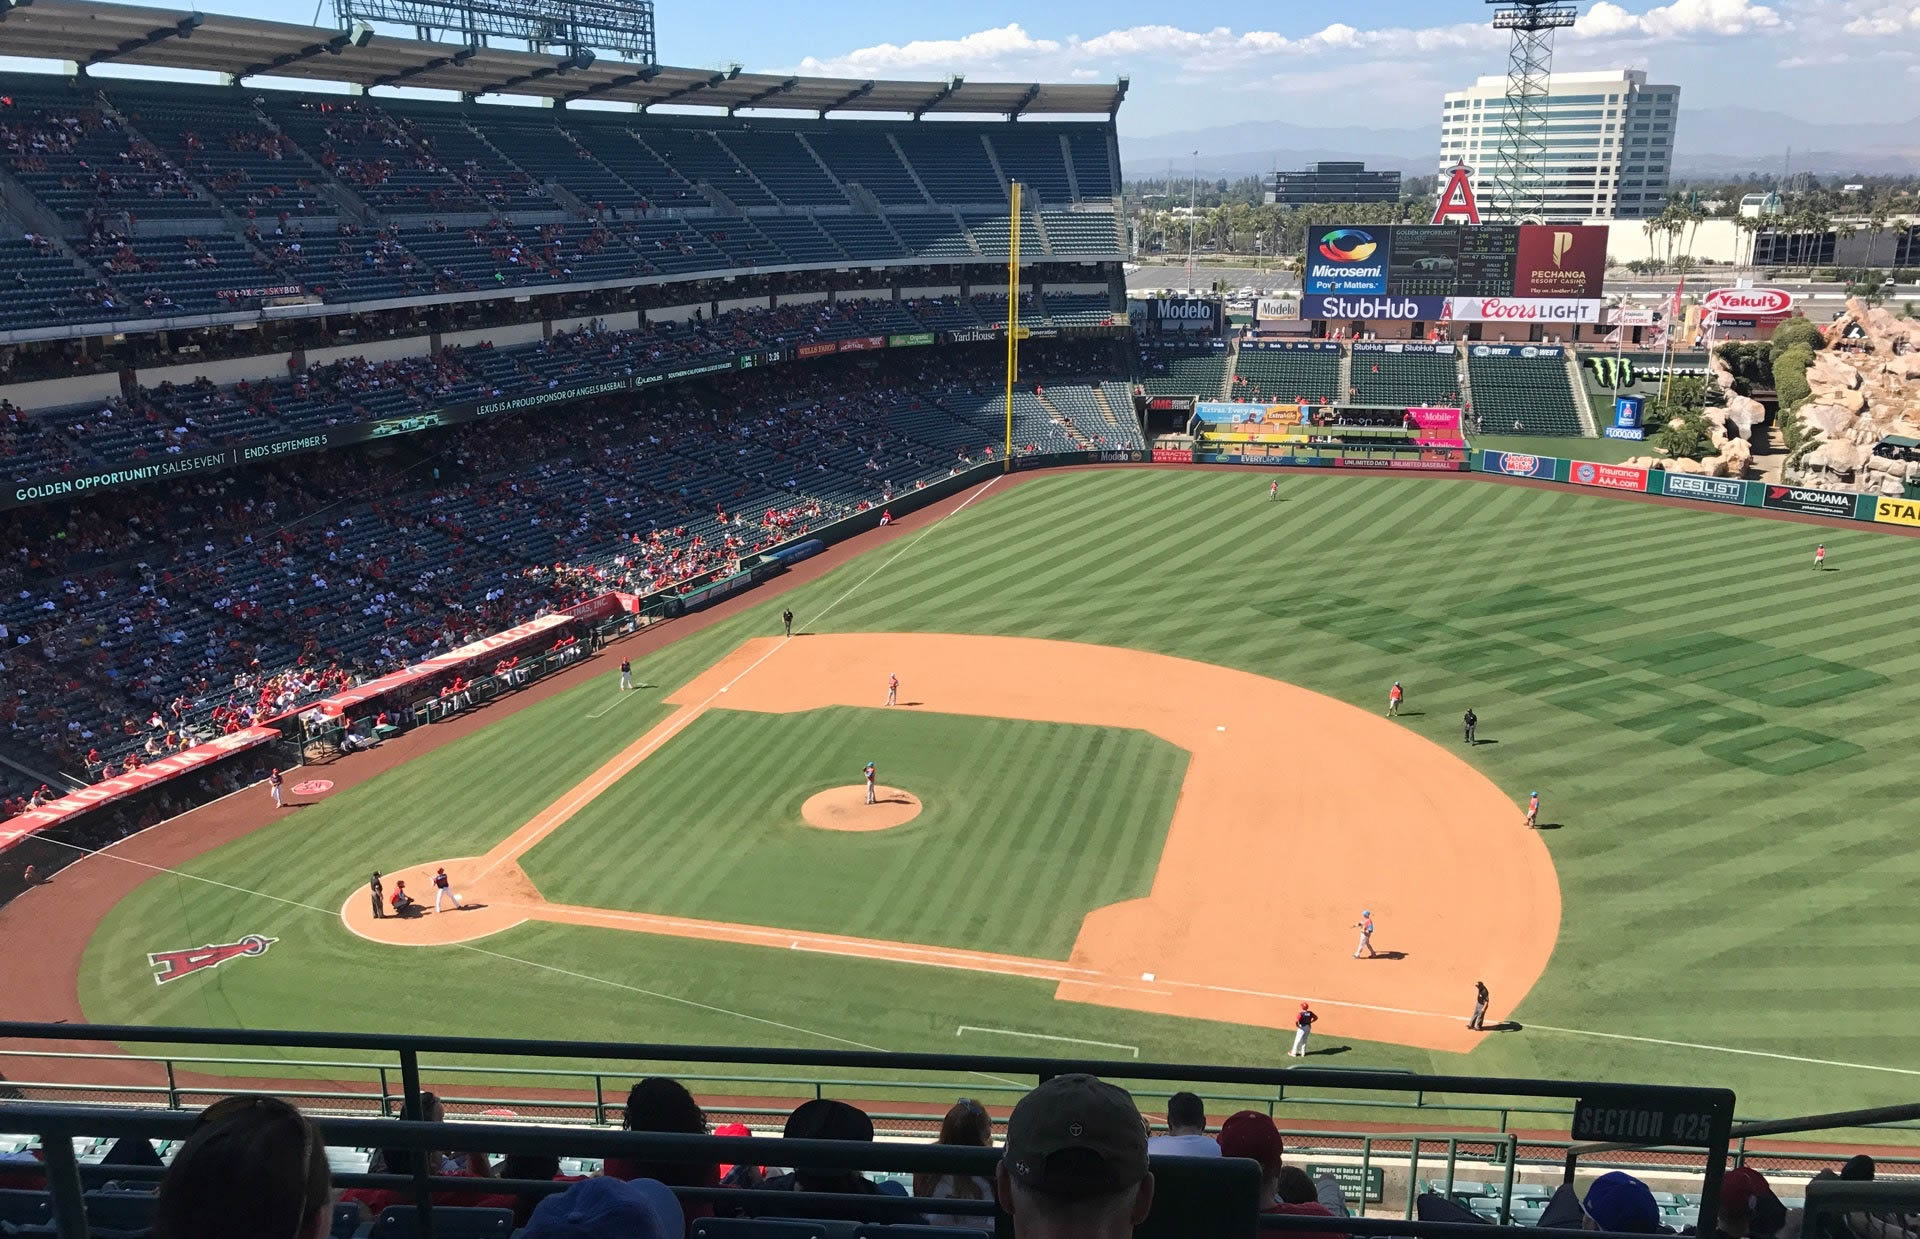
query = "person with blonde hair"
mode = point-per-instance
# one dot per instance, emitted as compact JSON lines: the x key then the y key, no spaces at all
{"x":968,"y":1125}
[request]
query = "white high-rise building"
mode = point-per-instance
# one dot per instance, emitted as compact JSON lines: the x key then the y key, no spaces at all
{"x":1609,"y":143}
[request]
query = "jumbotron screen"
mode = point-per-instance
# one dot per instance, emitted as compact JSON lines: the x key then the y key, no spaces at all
{"x":1417,"y":260}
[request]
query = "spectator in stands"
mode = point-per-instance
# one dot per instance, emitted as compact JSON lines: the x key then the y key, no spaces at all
{"x":1252,"y":1135}
{"x":540,"y":1166}
{"x":604,"y":1208}
{"x":254,"y":1166}
{"x":1186,"y":1130}
{"x":1076,"y":1162}
{"x":1860,"y":1169}
{"x":1615,"y":1201}
{"x":826,"y":1119}
{"x":1748,"y":1207}
{"x":967,"y":1124}
{"x":664,"y":1105}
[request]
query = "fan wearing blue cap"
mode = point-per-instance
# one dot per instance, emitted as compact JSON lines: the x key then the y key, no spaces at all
{"x":603,"y":1208}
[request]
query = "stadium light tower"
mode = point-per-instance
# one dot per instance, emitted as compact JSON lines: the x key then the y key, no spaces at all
{"x":1519,"y":178}
{"x":575,"y":27}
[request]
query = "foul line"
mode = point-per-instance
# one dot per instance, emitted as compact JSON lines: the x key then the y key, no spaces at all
{"x":616,"y":703}
{"x":1011,"y":1032}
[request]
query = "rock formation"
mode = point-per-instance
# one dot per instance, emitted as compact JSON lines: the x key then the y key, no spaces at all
{"x":1866,"y":386}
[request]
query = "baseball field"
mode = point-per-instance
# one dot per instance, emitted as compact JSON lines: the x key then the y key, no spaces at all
{"x":1138,"y":788}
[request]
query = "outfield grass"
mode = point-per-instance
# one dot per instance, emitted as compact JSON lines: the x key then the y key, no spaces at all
{"x":1602,"y":451}
{"x":1719,"y":732}
{"x":710,"y":827}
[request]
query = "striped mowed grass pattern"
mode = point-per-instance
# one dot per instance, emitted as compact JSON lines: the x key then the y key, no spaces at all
{"x":1621,"y":654}
{"x":1027,"y":827}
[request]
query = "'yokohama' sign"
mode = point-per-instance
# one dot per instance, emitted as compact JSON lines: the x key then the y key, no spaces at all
{"x":1750,"y":302}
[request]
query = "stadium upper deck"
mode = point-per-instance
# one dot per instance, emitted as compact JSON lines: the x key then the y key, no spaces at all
{"x":158,"y":204}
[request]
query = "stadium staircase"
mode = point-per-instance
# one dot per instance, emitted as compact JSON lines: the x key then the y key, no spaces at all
{"x":1233,"y":366}
{"x":913,"y":174}
{"x":1073,"y":175}
{"x":1063,"y":421}
{"x":1346,"y":374}
{"x":1582,"y":404}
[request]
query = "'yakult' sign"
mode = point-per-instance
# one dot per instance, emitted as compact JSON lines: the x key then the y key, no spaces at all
{"x":1749,"y":302}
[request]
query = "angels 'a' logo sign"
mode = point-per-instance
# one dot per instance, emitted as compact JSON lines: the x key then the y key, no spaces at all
{"x":1457,"y":203}
{"x":172,"y":965}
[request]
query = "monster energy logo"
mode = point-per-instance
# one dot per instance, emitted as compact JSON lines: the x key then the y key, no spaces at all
{"x":1613,"y":371}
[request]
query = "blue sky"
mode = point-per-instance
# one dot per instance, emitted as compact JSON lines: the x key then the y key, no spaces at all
{"x":1367,"y":62}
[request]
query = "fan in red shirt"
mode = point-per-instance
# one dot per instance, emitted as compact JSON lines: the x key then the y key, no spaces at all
{"x":1252,"y":1135}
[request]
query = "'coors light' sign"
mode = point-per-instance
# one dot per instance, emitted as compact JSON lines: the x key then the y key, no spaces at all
{"x":1749,"y":302}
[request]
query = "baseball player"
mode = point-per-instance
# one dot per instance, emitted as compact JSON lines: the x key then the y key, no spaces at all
{"x":379,"y":897}
{"x":871,"y":798}
{"x":1365,"y":926}
{"x":1273,"y":490}
{"x":1478,"y":1019}
{"x":786,"y":621}
{"x":403,"y":903}
{"x":443,"y":889}
{"x":1533,"y":810}
{"x":626,"y":674}
{"x":1468,"y":722}
{"x":1302,"y":1025}
{"x":1819,"y":557}
{"x":273,"y":785}
{"x":1395,"y":696}
{"x":893,"y":690}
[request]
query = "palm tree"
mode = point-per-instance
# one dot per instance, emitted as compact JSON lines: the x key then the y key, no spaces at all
{"x":1877,"y":219}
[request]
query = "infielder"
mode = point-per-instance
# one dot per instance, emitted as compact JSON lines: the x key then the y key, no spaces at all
{"x":786,"y":621}
{"x":1478,"y":1019}
{"x":1533,"y":810}
{"x":893,"y":690}
{"x":1302,"y":1025}
{"x":1365,"y":926}
{"x":1395,"y":696}
{"x":1819,"y":557}
{"x":273,"y":785}
{"x":443,"y":889}
{"x":626,"y":674}
{"x":871,"y":799}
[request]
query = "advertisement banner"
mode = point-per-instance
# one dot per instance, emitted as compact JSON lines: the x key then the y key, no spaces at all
{"x":1374,"y":309}
{"x":1749,"y":302}
{"x":1709,"y":490}
{"x":1270,"y":308}
{"x":1251,"y":419}
{"x":860,"y":344}
{"x":1172,"y":404}
{"x":1186,"y":314}
{"x":1629,"y":418}
{"x":1400,"y":346}
{"x":911,"y":340}
{"x":1517,"y":464}
{"x":1343,"y":259}
{"x":1561,"y":261}
{"x":1812,"y":502}
{"x":1435,"y":418}
{"x":1632,"y":316}
{"x":1430,"y":462}
{"x":1897,"y":512}
{"x":1611,"y":477}
{"x":820,"y":348}
{"x":1523,"y":310}
{"x":1173,"y":455}
{"x":1515,"y":350}
{"x":972,"y":335}
{"x":1291,"y":346}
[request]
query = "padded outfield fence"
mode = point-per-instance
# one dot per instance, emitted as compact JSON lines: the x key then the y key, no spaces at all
{"x":1194,"y":1200}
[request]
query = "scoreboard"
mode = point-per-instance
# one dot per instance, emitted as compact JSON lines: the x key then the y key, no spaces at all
{"x":1443,"y":261}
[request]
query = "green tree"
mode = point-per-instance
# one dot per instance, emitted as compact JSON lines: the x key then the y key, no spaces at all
{"x":1797,"y":333}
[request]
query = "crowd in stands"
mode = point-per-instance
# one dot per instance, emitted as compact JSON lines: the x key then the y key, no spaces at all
{"x":136,"y":622}
{"x":1077,"y":1163}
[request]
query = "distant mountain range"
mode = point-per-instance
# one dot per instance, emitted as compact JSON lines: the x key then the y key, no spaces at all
{"x":1712,"y":142}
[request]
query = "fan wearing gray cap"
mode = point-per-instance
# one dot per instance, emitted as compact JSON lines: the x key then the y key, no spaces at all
{"x":1076,"y":1162}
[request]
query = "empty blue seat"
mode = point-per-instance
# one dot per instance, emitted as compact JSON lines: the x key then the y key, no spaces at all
{"x":25,"y":1208}
{"x":403,"y":1222}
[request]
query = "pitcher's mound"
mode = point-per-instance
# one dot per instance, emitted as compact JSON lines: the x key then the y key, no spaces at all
{"x":846,"y":808}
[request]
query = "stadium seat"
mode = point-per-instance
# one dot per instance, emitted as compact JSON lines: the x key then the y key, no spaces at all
{"x":1288,"y":376}
{"x":1406,"y":380}
{"x":346,"y":1221}
{"x":1522,"y":395}
{"x":449,"y":1222}
{"x":22,"y":1208}
{"x":120,"y":1210}
{"x":769,"y":1228}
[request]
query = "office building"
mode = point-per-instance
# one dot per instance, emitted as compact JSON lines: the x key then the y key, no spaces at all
{"x":1333,"y":182}
{"x":1608,"y":136}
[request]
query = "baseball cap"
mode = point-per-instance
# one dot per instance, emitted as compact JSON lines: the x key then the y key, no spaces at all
{"x":1251,"y":1134}
{"x":1077,"y":1136}
{"x":1745,"y":1191}
{"x":1619,"y":1202}
{"x":604,"y":1208}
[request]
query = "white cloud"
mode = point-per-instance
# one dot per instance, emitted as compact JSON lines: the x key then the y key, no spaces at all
{"x":1880,"y":20}
{"x":929,"y":55}
{"x":1682,"y":19}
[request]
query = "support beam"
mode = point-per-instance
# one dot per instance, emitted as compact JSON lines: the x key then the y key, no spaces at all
{"x":426,"y":66}
{"x":694,"y":88}
{"x":521,"y":79}
{"x":755,"y":100}
{"x":614,"y":83}
{"x":953,"y":83}
{"x":1119,"y":96}
{"x":1026,"y":101}
{"x":859,"y":92}
{"x":334,"y":46}
{"x":182,"y":29}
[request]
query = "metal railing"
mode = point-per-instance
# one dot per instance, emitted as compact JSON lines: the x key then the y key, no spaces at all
{"x":402,"y":1056}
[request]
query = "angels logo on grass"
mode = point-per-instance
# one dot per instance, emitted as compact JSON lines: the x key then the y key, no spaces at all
{"x":313,"y":787}
{"x":172,"y":965}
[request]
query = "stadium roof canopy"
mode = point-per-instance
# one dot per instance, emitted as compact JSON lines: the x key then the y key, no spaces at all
{"x":93,"y":33}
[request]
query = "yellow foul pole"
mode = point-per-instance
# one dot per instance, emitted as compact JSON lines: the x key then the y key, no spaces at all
{"x":1013,"y":310}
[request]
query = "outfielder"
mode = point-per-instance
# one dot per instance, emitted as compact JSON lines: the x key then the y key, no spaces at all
{"x":1302,"y":1025}
{"x":1273,"y":490}
{"x":893,"y":690}
{"x":626,"y":673}
{"x":273,"y":785}
{"x":1533,"y":810}
{"x":443,"y":889}
{"x":1819,"y":557}
{"x":871,"y":799}
{"x":1365,"y":926}
{"x":1395,"y":696}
